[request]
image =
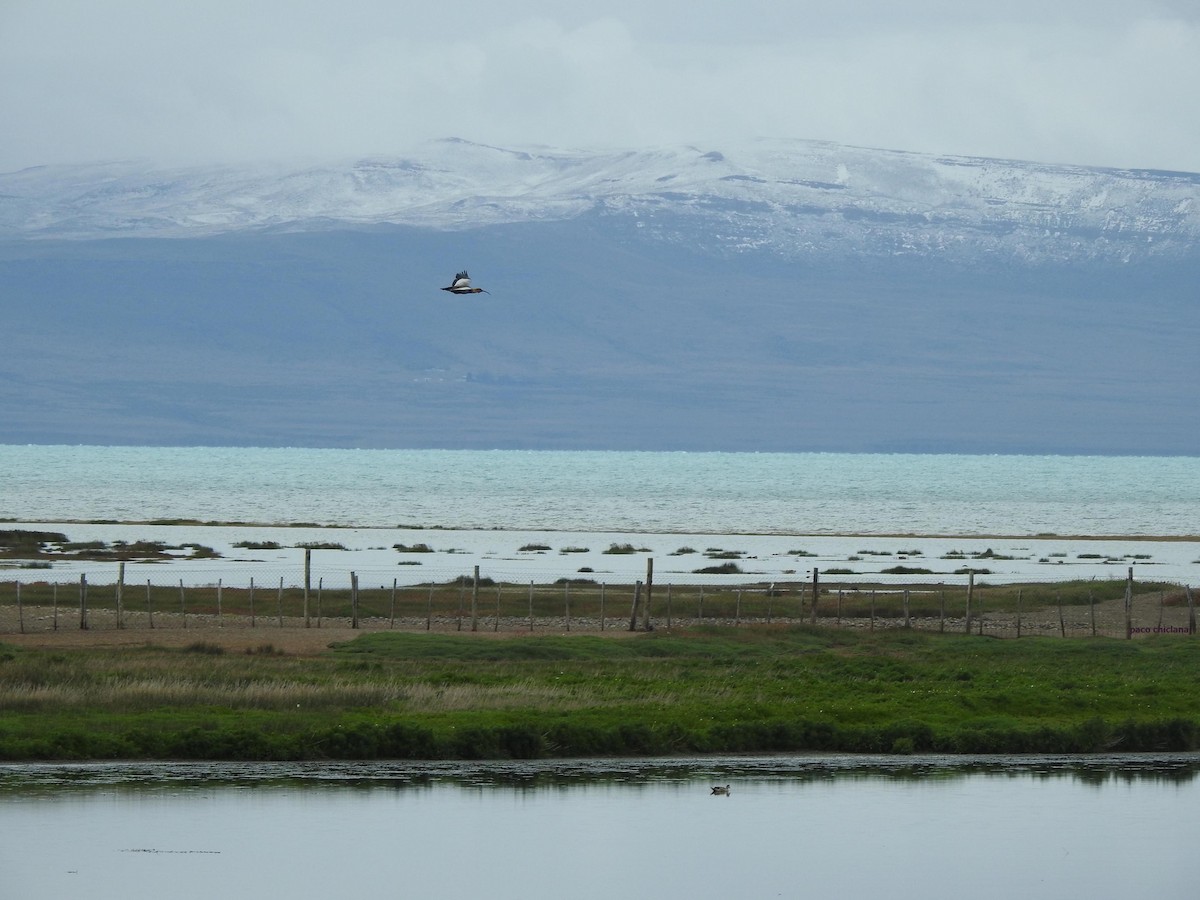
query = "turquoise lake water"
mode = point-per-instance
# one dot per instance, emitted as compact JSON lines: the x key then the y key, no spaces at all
{"x":802,"y":493}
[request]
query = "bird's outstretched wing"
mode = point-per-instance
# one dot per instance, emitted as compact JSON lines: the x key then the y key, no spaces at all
{"x":462,"y":285}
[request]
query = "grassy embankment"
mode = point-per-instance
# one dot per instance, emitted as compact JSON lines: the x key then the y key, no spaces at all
{"x":755,"y":689}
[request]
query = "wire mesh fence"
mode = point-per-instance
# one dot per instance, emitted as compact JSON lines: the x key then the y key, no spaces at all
{"x":494,"y":601}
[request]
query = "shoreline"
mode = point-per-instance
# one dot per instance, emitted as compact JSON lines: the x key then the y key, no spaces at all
{"x":535,"y":529}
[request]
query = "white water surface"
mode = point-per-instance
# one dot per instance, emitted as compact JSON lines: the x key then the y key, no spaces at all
{"x":914,"y":827}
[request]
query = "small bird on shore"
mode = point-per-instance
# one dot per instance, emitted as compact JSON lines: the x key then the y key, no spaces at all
{"x":462,"y":285}
{"x":718,"y":789}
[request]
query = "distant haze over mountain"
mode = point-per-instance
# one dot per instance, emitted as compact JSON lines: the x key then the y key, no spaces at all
{"x":768,"y":295}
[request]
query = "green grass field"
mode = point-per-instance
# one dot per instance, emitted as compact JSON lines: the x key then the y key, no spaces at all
{"x":756,"y":689}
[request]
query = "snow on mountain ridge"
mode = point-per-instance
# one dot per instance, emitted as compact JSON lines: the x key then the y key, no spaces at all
{"x":793,"y":197}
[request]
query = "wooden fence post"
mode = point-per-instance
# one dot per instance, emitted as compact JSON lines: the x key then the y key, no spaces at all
{"x":220,"y":620}
{"x":353,"y":599}
{"x":307,"y":581}
{"x":392,"y":615}
{"x":429,"y":610}
{"x":668,"y":607}
{"x":475,"y":601}
{"x":253,"y":616}
{"x":279,"y":603}
{"x":907,"y":620}
{"x":320,"y":585}
{"x":700,"y":606}
{"x":56,"y":606}
{"x":872,"y":610}
{"x":496,"y":624}
{"x":839,"y":607}
{"x":816,"y":589}
{"x":20,"y":611}
{"x":120,"y":595}
{"x":1129,"y":604}
{"x":602,"y":586}
{"x":567,"y":602}
{"x":646,"y":626}
{"x":182,"y":604}
{"x":149,"y":605}
{"x":637,"y":596}
{"x":970,"y":595}
{"x":1062,"y":625}
{"x":1018,"y":612}
{"x":83,"y":617}
{"x":942,"y":611}
{"x":737,"y":608}
{"x":1191,"y":610}
{"x":531,"y":605}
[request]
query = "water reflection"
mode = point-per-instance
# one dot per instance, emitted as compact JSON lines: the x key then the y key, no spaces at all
{"x":798,"y":826}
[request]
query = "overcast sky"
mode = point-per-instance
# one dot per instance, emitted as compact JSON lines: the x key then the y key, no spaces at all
{"x":1095,"y":82}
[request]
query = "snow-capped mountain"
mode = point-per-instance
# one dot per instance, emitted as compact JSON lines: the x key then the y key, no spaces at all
{"x":795,"y":199}
{"x":767,"y":296}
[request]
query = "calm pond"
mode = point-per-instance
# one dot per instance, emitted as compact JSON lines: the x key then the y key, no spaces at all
{"x":890,"y":827}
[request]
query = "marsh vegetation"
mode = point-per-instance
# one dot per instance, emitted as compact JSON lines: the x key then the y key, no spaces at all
{"x":705,"y":690}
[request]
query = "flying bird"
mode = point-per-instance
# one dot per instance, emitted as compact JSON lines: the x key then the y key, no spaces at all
{"x":462,"y":285}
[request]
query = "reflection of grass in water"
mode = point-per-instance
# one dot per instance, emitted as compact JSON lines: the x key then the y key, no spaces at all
{"x":754,"y":689}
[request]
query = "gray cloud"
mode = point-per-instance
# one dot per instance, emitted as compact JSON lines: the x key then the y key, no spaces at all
{"x":1109,"y":82}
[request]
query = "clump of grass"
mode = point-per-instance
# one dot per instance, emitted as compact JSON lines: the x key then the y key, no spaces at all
{"x":729,"y":568}
{"x":199,"y":551}
{"x":205,"y":647}
{"x":83,"y":546}
{"x":412,"y":548}
{"x":258,"y":545}
{"x":264,"y":650}
{"x":142,"y":547}
{"x":620,"y":549}
{"x":533,"y":548}
{"x":321,"y":545}
{"x":566,"y":550}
